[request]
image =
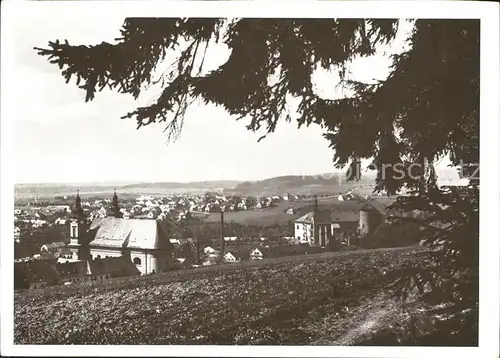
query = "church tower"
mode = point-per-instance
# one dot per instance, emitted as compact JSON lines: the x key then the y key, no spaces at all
{"x":115,"y":208}
{"x":78,"y":228}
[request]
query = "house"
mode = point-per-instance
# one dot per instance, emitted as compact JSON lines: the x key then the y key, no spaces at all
{"x":230,"y":238}
{"x":256,"y":254}
{"x":17,"y":234}
{"x":293,"y":241}
{"x":73,"y":271}
{"x":183,"y":262}
{"x":18,"y":211}
{"x":60,"y":221}
{"x":151,"y":215}
{"x":38,"y":223}
{"x":35,"y":274}
{"x":319,"y":227}
{"x":209,"y":261}
{"x":111,"y":267}
{"x":231,"y":257}
{"x":97,"y":270}
{"x":175,"y":241}
{"x":209,"y":251}
{"x":63,"y":260}
{"x":102,"y":212}
{"x":290,"y":211}
{"x":53,"y":247}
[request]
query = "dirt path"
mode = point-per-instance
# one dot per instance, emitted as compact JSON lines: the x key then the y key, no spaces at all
{"x":367,"y":318}
{"x":373,"y":321}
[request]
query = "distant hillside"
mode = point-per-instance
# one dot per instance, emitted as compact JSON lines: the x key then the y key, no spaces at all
{"x":164,"y":188}
{"x":307,"y":184}
{"x":52,"y":190}
{"x":205,"y":185}
{"x":304,"y":184}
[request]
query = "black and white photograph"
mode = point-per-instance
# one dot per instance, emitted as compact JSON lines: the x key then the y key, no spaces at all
{"x":250,"y":178}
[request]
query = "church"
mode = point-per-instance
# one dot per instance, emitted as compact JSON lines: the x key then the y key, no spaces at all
{"x":143,"y":242}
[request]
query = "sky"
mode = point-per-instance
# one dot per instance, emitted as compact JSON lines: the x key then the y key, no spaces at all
{"x":60,"y":138}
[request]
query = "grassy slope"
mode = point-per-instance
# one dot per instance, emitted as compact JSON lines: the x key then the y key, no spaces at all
{"x":298,"y":300}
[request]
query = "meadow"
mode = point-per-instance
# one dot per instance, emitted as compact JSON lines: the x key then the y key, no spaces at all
{"x":277,"y":215}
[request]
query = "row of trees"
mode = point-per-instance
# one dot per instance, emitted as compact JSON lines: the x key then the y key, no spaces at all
{"x":209,"y":232}
{"x":32,"y":239}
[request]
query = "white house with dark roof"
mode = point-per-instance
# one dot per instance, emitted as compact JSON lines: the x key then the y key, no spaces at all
{"x":303,"y":227}
{"x":256,"y":254}
{"x":231,"y":257}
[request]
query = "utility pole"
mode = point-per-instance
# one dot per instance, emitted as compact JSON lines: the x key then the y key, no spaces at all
{"x":198,"y":245}
{"x":314,"y":228}
{"x":221,"y":234}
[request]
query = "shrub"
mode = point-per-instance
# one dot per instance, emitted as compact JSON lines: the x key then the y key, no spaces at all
{"x":391,"y":235}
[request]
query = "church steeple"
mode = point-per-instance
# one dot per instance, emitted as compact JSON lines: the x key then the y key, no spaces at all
{"x":115,"y":208}
{"x":78,"y":229}
{"x":77,"y":210}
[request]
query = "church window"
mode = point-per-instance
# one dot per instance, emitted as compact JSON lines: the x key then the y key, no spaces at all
{"x":73,"y":231}
{"x":137,"y":261}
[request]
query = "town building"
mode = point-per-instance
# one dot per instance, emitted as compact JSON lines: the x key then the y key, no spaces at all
{"x":319,"y":227}
{"x":50,"y":271}
{"x":231,"y":257}
{"x":17,"y":234}
{"x":35,"y":274}
{"x":143,"y":242}
{"x":256,"y":254}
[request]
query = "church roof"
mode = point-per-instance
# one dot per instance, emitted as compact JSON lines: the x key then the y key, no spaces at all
{"x":373,"y":205}
{"x":130,"y":233}
{"x":329,"y":216}
{"x":307,"y":218}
